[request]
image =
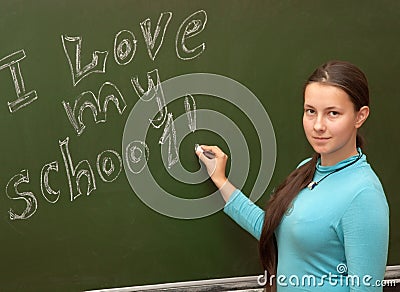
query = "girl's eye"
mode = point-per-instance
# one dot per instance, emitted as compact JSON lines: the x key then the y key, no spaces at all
{"x":309,"y":111}
{"x":333,"y":114}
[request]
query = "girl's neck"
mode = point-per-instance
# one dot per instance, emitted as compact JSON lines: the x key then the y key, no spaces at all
{"x":334,"y":158}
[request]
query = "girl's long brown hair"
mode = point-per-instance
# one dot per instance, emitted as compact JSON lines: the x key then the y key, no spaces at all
{"x":353,"y":81}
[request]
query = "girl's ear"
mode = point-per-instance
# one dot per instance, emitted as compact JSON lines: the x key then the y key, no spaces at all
{"x":362,"y":115}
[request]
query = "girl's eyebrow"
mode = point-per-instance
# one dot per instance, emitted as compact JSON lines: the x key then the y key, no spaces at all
{"x":332,"y":108}
{"x":328,"y":108}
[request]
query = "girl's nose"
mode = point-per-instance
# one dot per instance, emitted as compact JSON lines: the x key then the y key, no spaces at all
{"x":319,"y":125}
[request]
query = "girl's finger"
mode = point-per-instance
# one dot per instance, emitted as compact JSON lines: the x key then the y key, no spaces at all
{"x":214,"y":149}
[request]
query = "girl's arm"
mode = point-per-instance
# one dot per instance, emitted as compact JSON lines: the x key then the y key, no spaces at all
{"x":365,"y":227}
{"x":239,"y":207}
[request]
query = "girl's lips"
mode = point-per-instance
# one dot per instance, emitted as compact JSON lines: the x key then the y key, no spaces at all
{"x":321,"y":139}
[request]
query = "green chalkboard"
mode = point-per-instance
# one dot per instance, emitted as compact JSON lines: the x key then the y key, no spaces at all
{"x":103,"y":101}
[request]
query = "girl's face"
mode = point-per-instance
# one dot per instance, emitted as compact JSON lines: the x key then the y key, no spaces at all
{"x":330,"y":122}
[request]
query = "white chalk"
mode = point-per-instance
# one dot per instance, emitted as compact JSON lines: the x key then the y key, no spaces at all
{"x":208,"y":154}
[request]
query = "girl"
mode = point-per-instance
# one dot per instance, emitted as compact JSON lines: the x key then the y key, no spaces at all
{"x":326,"y":227}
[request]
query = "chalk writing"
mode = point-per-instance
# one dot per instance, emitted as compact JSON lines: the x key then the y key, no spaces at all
{"x":125,"y":44}
{"x":136,"y":155}
{"x":13,"y":193}
{"x":109,"y":165}
{"x":75,"y":173}
{"x":189,"y":28}
{"x":154,"y":42}
{"x":124,"y":47}
{"x":80,"y":176}
{"x":97,"y":104}
{"x":170,"y":135}
{"x":23,"y":98}
{"x":153,"y":86}
{"x":190,"y":108}
{"x":72,"y":48}
{"x":44,"y":182}
{"x":154,"y":89}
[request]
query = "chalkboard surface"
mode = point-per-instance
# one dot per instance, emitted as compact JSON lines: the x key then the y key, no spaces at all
{"x":103,"y":101}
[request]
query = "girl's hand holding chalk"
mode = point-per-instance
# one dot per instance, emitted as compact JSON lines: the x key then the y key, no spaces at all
{"x":215,"y":161}
{"x":207,"y":153}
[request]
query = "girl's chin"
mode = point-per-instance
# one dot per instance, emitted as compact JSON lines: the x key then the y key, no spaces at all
{"x":321,"y":149}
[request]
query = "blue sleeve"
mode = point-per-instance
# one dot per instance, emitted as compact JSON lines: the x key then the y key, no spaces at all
{"x":245,"y":213}
{"x":365,"y":226}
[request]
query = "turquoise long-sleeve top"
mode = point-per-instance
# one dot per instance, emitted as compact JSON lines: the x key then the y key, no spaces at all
{"x":332,"y":238}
